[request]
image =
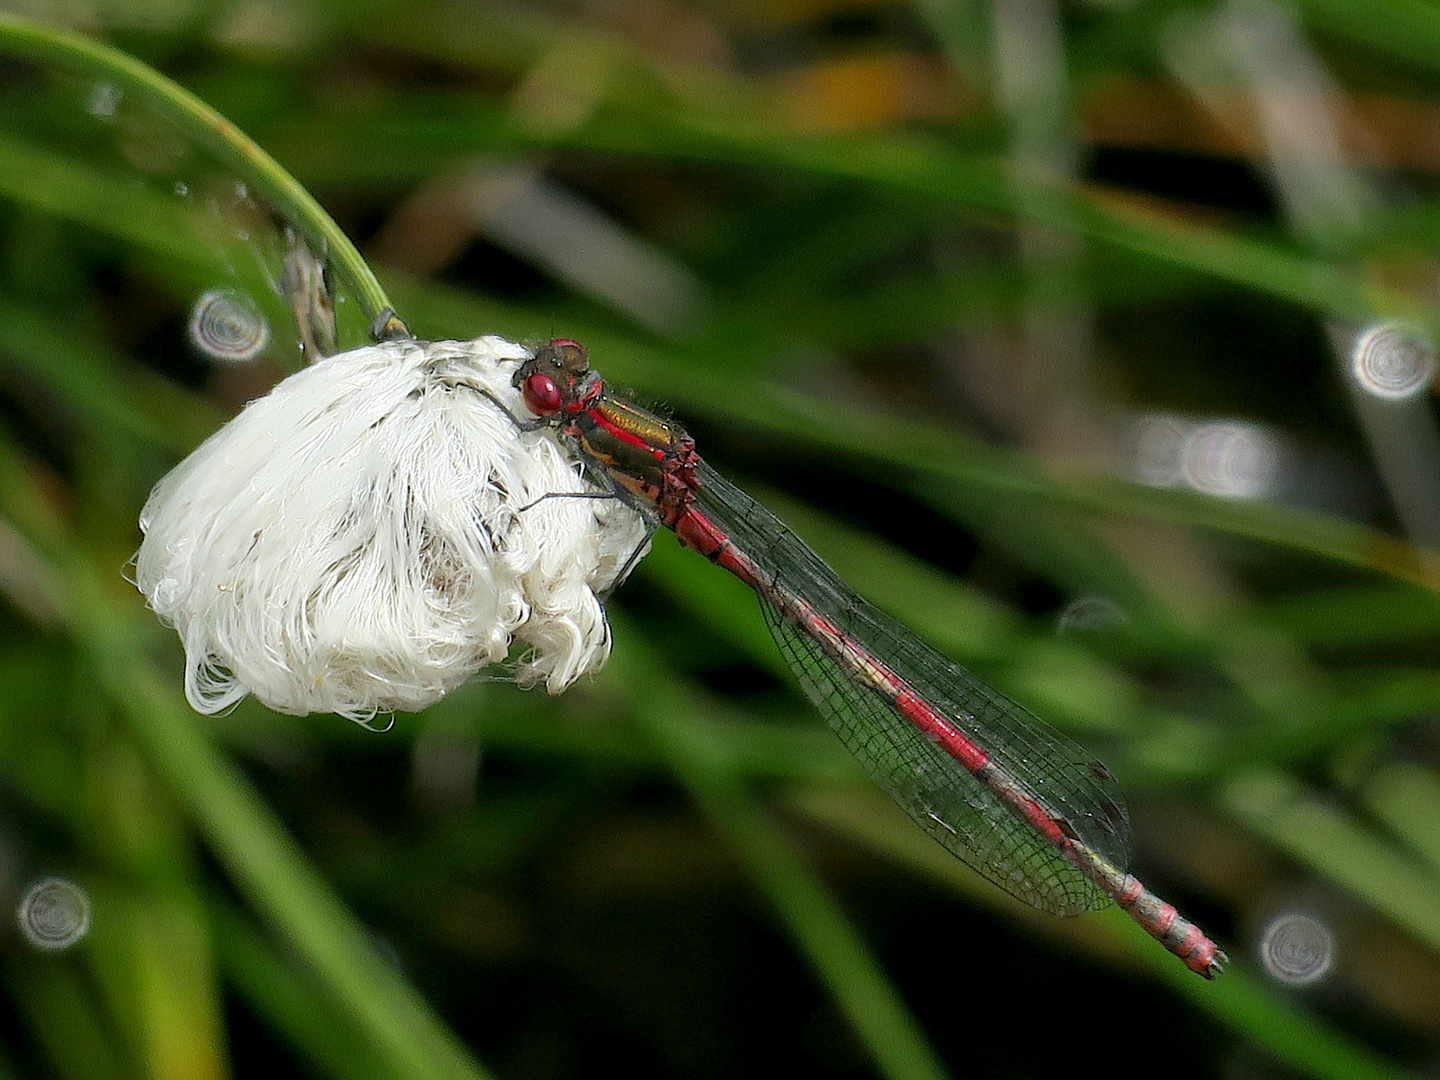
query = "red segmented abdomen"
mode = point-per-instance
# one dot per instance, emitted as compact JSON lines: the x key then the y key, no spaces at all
{"x":1167,"y":926}
{"x":697,"y":532}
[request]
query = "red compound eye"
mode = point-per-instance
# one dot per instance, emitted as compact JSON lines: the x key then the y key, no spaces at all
{"x":542,"y":396}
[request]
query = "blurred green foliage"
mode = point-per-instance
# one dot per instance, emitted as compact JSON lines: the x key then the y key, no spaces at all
{"x":955,"y":287}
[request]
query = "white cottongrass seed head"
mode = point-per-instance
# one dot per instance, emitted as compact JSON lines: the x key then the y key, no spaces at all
{"x":372,"y":532}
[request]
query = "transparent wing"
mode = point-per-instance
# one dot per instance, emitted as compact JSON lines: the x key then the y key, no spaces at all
{"x":940,"y":794}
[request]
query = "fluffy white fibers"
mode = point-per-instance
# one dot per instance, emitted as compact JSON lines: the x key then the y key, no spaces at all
{"x":367,"y":536}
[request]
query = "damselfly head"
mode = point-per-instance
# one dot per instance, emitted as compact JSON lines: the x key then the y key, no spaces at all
{"x":556,"y":378}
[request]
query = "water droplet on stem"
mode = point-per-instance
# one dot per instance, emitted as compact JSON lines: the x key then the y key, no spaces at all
{"x":227,"y":326}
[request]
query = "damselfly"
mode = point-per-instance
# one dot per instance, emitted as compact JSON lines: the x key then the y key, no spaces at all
{"x":1002,"y":790}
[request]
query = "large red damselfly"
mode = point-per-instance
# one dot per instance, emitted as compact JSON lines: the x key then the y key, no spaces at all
{"x":1016,"y":800}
